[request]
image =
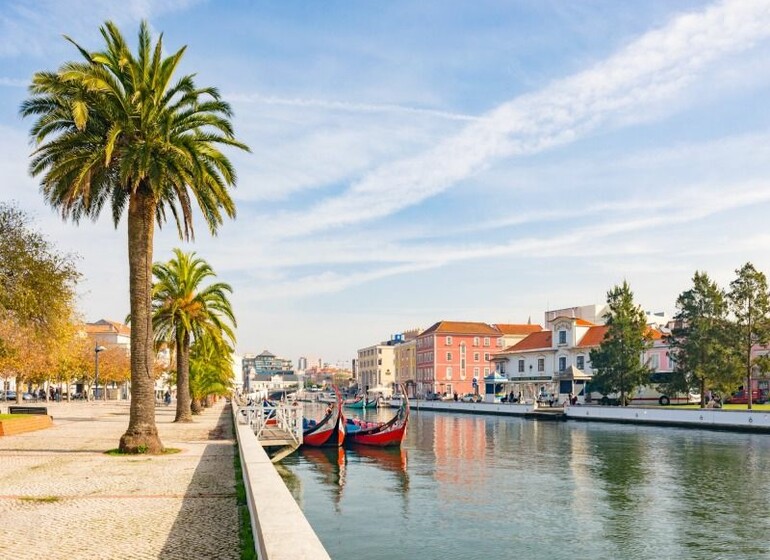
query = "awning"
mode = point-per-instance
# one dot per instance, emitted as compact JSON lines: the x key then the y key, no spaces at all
{"x":574,"y":374}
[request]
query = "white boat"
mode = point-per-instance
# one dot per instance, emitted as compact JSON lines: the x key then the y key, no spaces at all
{"x":328,"y":397}
{"x":393,"y":402}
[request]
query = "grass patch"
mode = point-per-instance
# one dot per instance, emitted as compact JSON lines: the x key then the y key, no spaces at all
{"x":245,"y":534}
{"x":5,"y":417}
{"x":40,"y":499}
{"x":754,"y":407}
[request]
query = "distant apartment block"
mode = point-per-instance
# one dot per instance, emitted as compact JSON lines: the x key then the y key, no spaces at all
{"x":263,"y":364}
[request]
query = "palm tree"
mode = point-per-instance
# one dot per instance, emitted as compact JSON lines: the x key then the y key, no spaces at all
{"x":117,"y":130}
{"x":211,"y":370}
{"x":185,"y":310}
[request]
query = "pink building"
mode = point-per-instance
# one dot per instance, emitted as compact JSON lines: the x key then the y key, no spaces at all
{"x":454,"y":356}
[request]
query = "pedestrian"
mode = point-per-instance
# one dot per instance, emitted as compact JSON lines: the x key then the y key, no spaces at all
{"x":167,"y":398}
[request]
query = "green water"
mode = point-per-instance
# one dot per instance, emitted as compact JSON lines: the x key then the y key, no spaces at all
{"x":467,"y":487}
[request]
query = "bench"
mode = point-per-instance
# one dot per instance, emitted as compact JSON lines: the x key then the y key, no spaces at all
{"x":28,"y":410}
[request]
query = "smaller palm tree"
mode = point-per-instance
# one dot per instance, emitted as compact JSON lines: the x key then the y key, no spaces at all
{"x":211,"y":367}
{"x":184,"y":310}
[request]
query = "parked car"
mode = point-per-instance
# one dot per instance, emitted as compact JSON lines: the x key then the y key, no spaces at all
{"x":9,"y":395}
{"x":742,"y":397}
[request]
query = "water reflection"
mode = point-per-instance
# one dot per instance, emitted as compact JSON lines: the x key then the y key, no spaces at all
{"x":330,"y":465}
{"x":389,"y":459}
{"x":489,"y":487}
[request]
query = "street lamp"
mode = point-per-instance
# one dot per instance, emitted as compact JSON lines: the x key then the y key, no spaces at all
{"x":97,"y":349}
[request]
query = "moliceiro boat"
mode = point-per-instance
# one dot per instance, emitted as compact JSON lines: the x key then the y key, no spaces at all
{"x":361,"y":402}
{"x":329,"y":431}
{"x":382,"y":434}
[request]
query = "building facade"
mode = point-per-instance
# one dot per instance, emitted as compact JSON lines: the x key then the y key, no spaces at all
{"x":375,"y":367}
{"x":265,"y":363}
{"x":452,"y":357}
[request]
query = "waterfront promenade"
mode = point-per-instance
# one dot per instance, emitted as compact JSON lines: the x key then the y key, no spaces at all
{"x":61,"y":496}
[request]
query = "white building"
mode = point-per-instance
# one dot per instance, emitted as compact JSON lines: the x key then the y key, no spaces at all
{"x":553,"y":361}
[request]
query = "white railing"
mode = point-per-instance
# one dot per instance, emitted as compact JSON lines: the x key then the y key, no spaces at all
{"x":285,"y":417}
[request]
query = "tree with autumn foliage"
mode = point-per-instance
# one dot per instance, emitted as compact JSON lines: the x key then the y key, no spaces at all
{"x":37,"y":299}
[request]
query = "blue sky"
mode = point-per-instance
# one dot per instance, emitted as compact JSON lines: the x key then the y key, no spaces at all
{"x":420,"y":161}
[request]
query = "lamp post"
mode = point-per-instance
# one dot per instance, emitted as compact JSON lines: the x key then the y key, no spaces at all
{"x":97,"y":349}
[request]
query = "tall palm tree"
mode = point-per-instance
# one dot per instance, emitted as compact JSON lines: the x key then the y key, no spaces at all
{"x":185,"y":310}
{"x":115,"y":129}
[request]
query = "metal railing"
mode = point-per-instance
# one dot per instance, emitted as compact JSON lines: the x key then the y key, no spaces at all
{"x":283,"y":416}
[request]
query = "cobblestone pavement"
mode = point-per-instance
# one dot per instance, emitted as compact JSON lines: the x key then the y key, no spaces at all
{"x":61,"y":496}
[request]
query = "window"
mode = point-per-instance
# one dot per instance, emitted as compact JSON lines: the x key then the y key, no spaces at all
{"x":476,"y":356}
{"x":654,"y":361}
{"x":448,"y":341}
{"x":541,"y":364}
{"x":486,"y":356}
{"x":476,"y":371}
{"x":499,"y":342}
{"x":486,"y":371}
{"x":562,"y":363}
{"x":486,"y":341}
{"x":580,"y":362}
{"x":521,"y":366}
{"x":476,"y":340}
{"x":449,"y":373}
{"x":448,"y":356}
{"x":562,"y":337}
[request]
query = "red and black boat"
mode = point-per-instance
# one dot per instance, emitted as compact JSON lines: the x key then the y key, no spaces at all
{"x":381,"y":434}
{"x":329,"y":431}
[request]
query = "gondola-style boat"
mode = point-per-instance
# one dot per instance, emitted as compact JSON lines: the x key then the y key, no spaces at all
{"x":361,"y":402}
{"x":329,"y":431}
{"x":382,"y":434}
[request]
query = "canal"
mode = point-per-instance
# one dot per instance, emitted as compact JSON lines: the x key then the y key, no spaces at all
{"x":467,"y":487}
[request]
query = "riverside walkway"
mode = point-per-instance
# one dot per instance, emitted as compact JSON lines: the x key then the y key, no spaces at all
{"x":62,"y":497}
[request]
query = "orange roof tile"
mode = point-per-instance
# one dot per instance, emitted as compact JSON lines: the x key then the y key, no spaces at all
{"x":535,"y":341}
{"x":461,"y":327}
{"x":517,"y":329}
{"x":594,"y":336}
{"x":580,"y":322}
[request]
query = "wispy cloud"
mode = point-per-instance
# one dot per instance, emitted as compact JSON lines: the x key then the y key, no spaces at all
{"x":33,"y":28}
{"x":653,"y":69}
{"x":348,"y":106}
{"x":691,"y":204}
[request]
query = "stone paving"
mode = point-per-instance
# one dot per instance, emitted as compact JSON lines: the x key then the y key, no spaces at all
{"x":61,"y":496}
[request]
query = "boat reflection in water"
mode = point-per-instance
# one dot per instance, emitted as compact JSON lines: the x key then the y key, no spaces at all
{"x":330,"y":464}
{"x":389,"y":459}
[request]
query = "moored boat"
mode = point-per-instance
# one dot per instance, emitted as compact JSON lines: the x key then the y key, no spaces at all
{"x":329,"y":431}
{"x":381,"y":434}
{"x":361,"y":402}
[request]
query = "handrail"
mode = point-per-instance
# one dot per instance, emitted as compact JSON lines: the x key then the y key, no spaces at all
{"x":282,"y":415}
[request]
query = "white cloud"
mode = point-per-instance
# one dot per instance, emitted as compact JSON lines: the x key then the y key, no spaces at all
{"x":650,"y":70}
{"x":36,"y":28}
{"x":347,"y":106}
{"x":600,"y":240}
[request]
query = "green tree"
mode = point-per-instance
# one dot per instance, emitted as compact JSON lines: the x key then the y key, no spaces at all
{"x":618,"y":359}
{"x":211,"y":370}
{"x":699,"y":340}
{"x":117,"y":130}
{"x":184,"y":309}
{"x":750,"y":306}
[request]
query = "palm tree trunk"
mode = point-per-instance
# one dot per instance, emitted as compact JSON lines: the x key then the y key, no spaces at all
{"x":183,"y":410}
{"x":142,"y":434}
{"x":196,"y":406}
